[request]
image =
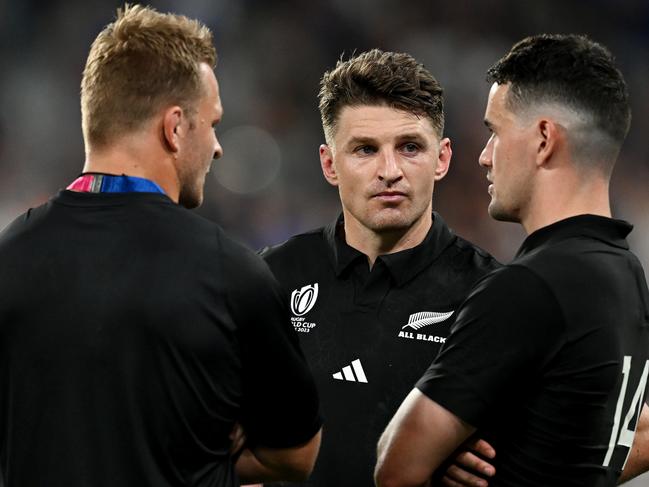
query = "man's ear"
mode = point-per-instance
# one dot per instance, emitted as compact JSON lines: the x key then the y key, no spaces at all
{"x":172,"y":129}
{"x":328,"y":165}
{"x":548,"y":138}
{"x":443,"y":158}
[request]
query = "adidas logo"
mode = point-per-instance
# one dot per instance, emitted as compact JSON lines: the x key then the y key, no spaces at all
{"x":353,"y":373}
{"x":425,"y":318}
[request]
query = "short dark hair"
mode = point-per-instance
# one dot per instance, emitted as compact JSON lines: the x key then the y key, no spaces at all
{"x":376,"y":77}
{"x":573,"y":71}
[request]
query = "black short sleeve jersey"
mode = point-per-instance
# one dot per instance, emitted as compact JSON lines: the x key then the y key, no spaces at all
{"x":548,"y":357}
{"x":369,"y":335}
{"x":133,"y":334}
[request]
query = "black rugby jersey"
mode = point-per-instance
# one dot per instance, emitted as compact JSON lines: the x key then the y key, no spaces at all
{"x":369,"y":335}
{"x":548,"y":357}
{"x":133,"y":334}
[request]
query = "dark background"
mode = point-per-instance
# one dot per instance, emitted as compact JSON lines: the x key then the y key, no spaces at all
{"x":268,"y":185}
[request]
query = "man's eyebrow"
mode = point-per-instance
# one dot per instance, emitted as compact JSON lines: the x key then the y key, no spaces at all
{"x":361,"y":139}
{"x":371,"y":140}
{"x":410,"y":136}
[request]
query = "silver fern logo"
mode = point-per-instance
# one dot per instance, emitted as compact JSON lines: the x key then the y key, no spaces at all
{"x":425,"y":318}
{"x":302,"y":300}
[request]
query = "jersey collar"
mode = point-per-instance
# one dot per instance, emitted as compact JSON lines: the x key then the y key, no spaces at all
{"x":608,"y":230}
{"x":92,"y":182}
{"x":341,"y":254}
{"x":403,"y":265}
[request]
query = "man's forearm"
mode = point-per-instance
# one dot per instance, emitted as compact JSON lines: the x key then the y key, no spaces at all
{"x":638,"y":461}
{"x":262,"y":464}
{"x":420,"y":436}
{"x":250,"y":470}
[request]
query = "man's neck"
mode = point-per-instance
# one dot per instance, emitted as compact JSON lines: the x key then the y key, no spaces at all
{"x":373,"y":243}
{"x":135,"y":160}
{"x":566,"y":199}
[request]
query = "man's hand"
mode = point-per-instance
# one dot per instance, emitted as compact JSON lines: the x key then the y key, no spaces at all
{"x":460,"y":473}
{"x":238,"y":438}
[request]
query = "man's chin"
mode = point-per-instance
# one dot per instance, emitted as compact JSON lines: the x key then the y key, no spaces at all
{"x":190,"y":200}
{"x":389,"y":220}
{"x":501,"y":214}
{"x":391,"y":224}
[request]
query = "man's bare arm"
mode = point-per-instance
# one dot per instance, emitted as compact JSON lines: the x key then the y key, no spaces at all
{"x":418,"y":439}
{"x":639,"y":456}
{"x":263,"y":464}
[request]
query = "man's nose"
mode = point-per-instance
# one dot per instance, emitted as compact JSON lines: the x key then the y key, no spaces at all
{"x":485,"y":156}
{"x":389,"y":167}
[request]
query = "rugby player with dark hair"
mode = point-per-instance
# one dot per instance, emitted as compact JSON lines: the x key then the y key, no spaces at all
{"x":548,"y":357}
{"x":374,"y":293}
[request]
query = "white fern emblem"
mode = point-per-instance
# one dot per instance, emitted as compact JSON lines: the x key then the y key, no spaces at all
{"x":425,"y":318}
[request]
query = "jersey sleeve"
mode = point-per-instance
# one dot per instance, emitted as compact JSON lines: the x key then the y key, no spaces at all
{"x":506,"y":331}
{"x":280,"y":404}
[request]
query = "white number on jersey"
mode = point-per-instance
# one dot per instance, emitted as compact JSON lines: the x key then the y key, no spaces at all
{"x":622,"y":434}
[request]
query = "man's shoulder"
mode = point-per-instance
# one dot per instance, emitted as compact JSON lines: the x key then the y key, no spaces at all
{"x":483,"y":257}
{"x":467,"y":257}
{"x":302,"y":259}
{"x":568,"y":260}
{"x":304,"y":245}
{"x":22,"y":223}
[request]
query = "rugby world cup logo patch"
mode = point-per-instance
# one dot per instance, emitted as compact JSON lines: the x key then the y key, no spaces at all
{"x":302,"y":300}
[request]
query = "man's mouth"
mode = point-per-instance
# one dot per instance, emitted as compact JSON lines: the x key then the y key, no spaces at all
{"x":390,"y":196}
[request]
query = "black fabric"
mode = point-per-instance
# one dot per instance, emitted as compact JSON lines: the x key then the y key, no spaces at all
{"x":363,"y":315}
{"x":133,"y":334}
{"x":535,"y":359}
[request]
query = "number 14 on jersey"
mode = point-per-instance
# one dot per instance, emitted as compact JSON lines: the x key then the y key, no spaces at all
{"x":622,"y":434}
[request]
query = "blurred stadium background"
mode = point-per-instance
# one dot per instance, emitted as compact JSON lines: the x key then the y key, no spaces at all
{"x":268,"y":185}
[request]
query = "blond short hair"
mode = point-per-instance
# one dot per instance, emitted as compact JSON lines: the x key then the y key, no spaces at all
{"x":141,"y":62}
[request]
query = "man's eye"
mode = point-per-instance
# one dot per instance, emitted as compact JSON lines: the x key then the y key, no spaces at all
{"x":365,"y":150}
{"x":410,"y":147}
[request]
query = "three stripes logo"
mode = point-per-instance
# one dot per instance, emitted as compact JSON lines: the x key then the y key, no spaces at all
{"x":302,"y":300}
{"x":425,"y":318}
{"x":352,"y":373}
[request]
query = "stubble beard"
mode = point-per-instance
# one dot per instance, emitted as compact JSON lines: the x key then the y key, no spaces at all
{"x":500,"y":213}
{"x":190,"y":199}
{"x":192,"y":182}
{"x":391,"y":220}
